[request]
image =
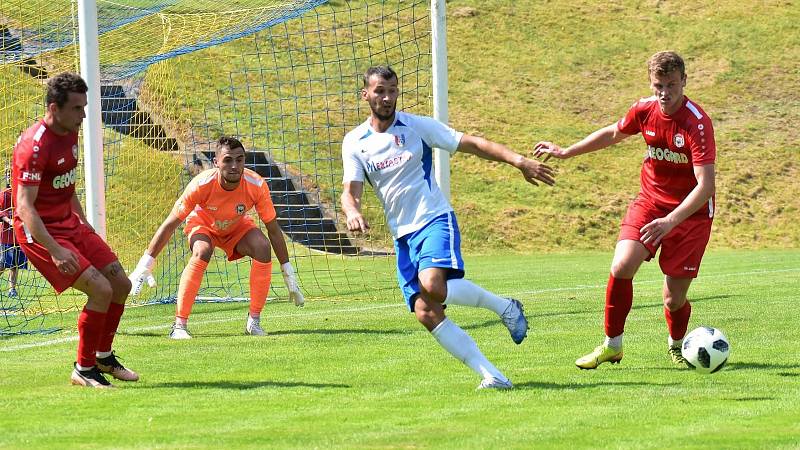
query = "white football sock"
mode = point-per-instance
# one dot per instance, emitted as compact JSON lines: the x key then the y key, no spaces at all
{"x":459,"y":344}
{"x":181,"y":321}
{"x":674,"y":342}
{"x":102,"y":354}
{"x":614,"y":342}
{"x":81,"y":368}
{"x":466,"y":293}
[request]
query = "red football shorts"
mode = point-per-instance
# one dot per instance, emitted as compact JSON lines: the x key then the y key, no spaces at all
{"x":226,"y":242}
{"x":681,"y":250}
{"x":87,"y":245}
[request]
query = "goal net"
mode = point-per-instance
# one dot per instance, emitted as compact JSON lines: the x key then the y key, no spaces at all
{"x":283,"y":76}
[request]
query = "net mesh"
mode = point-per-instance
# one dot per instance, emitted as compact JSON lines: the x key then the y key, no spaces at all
{"x":284,"y":77}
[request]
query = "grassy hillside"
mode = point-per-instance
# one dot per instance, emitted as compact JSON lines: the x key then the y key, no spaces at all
{"x":559,"y":70}
{"x":556,"y":71}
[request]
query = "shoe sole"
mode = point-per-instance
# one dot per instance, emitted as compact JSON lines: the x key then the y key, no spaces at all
{"x":80,"y":383}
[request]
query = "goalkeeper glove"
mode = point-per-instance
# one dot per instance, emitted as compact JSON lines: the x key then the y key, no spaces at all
{"x":291,"y":284}
{"x":143,"y":272}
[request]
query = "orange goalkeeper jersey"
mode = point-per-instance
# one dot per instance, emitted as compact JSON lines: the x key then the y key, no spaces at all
{"x":221,"y":210}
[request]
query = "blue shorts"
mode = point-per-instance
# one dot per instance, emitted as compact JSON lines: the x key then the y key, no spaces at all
{"x":13,"y":257}
{"x":437,"y":244}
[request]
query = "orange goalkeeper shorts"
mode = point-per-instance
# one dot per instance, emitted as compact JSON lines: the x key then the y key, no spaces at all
{"x":226,"y":242}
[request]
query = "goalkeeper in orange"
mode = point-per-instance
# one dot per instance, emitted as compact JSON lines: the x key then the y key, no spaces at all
{"x":214,"y":206}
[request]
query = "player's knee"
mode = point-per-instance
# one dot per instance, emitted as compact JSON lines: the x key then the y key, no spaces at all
{"x":622,"y":269}
{"x":263,"y":255}
{"x":672,"y":302}
{"x":432,"y":288}
{"x":202,"y":250}
{"x":100,"y":288}
{"x":121,"y":285}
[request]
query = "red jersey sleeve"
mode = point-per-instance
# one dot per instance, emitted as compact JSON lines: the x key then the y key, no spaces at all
{"x":30,"y":161}
{"x":629,"y":124}
{"x":702,"y":143}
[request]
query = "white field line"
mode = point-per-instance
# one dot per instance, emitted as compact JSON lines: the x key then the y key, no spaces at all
{"x":660,"y":280}
{"x":200,"y":322}
{"x":367,"y":308}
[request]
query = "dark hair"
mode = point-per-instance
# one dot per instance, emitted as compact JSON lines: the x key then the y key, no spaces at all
{"x":228,"y":141}
{"x":666,"y":62}
{"x":384,"y":72}
{"x":60,"y":86}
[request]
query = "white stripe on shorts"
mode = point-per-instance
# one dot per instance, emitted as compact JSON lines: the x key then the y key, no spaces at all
{"x":453,"y":259}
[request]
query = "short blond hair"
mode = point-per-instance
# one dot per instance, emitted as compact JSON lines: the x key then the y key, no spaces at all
{"x":665,"y":62}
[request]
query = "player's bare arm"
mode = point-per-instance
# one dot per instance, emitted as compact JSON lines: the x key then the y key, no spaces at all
{"x":163,"y":234}
{"x":65,"y":260}
{"x":144,"y":268}
{"x":277,"y":241}
{"x":351,"y":205}
{"x":600,"y":139}
{"x":78,"y":208}
{"x":531,"y":169}
{"x":697,"y":198}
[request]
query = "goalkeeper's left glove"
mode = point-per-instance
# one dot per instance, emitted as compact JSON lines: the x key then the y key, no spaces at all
{"x":291,"y":284}
{"x":143,"y":273}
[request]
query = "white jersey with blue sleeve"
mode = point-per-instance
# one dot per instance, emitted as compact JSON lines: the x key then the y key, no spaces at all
{"x":398,"y":163}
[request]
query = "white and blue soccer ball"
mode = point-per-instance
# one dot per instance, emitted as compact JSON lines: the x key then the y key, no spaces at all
{"x":706,"y":349}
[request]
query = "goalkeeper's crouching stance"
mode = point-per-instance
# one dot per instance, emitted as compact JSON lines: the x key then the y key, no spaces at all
{"x":214,"y":206}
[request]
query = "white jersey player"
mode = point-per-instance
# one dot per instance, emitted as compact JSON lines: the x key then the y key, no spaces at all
{"x":393,"y":151}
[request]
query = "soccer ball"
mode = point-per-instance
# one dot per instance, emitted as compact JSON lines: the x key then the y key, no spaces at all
{"x":706,"y":349}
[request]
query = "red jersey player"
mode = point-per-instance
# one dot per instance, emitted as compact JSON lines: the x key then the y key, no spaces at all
{"x":214,"y":206}
{"x":12,"y":258}
{"x":673,"y":210}
{"x":52,"y":230}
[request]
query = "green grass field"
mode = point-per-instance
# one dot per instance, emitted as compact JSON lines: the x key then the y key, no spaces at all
{"x":350,"y":373}
{"x":353,"y":369}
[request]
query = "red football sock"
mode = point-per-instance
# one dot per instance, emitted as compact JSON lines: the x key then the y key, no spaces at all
{"x":90,"y":330}
{"x":678,"y":320}
{"x":110,"y":327}
{"x":619,"y":298}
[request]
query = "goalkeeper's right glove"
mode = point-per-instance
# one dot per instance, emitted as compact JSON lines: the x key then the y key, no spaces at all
{"x":143,"y":272}
{"x":290,"y":279}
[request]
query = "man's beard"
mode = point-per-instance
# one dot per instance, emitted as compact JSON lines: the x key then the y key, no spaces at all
{"x":384,"y":117}
{"x":230,"y":178}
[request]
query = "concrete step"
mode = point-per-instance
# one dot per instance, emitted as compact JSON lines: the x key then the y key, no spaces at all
{"x":122,"y":113}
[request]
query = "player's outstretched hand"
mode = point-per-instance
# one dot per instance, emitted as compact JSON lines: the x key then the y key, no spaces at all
{"x":547,"y":150}
{"x":143,"y":272}
{"x":289,"y":277}
{"x":534,"y":170}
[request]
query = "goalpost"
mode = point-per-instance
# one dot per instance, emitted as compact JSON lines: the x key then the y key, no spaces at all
{"x":284,"y":76}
